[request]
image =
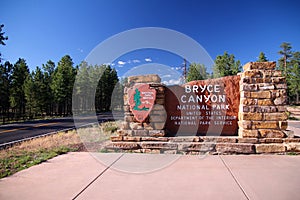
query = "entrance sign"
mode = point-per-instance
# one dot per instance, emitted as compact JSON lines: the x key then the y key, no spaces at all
{"x":141,"y":101}
{"x":250,"y":106}
{"x":203,"y":107}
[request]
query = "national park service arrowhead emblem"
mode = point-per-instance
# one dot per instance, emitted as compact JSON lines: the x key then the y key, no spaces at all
{"x":141,"y":101}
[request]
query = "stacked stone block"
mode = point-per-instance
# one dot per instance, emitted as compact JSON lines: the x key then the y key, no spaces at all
{"x":262,"y":112}
{"x":204,"y":144}
{"x":155,"y":122}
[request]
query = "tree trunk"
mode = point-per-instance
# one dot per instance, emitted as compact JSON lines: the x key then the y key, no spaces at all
{"x":285,"y":65}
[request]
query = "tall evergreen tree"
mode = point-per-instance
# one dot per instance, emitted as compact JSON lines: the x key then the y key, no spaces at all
{"x":2,"y":39}
{"x":262,"y":57}
{"x":40,"y":86}
{"x":17,"y":95}
{"x":286,"y":53}
{"x":86,"y":82}
{"x":36,"y":98}
{"x":62,"y":85}
{"x":5,"y":84}
{"x":293,"y":77}
{"x":226,"y":65}
{"x":105,"y":88}
{"x":99,"y":96}
{"x":30,"y":96}
{"x":197,"y":72}
{"x":49,"y":69}
{"x":5,"y":73}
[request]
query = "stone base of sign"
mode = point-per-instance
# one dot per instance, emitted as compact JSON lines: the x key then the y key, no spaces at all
{"x":260,"y":107}
{"x":141,"y":132}
{"x":203,"y":145}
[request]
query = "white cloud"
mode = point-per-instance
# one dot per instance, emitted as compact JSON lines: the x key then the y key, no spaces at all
{"x":172,"y":82}
{"x":136,"y":61}
{"x":80,"y":50}
{"x":148,"y":59}
{"x":120,"y":62}
{"x":166,"y":76}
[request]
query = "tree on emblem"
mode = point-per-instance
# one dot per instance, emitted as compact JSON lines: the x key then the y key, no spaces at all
{"x":137,"y":100}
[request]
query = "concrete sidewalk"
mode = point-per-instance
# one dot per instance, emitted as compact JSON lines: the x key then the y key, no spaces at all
{"x":145,"y":176}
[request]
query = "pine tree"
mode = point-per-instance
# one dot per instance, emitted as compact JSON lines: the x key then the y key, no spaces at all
{"x":17,"y":96}
{"x":226,"y":65}
{"x":293,"y":77}
{"x":262,"y":57}
{"x":62,"y":85}
{"x":39,"y":90}
{"x":100,"y":93}
{"x":105,"y":88}
{"x":30,"y":96}
{"x":49,"y":69}
{"x":197,"y":72}
{"x":5,"y":84}
{"x":2,"y":39}
{"x":286,"y":55}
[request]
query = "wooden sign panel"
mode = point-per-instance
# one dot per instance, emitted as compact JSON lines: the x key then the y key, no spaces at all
{"x":205,"y":107}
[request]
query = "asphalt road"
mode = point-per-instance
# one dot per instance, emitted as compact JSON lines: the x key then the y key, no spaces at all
{"x":19,"y":131}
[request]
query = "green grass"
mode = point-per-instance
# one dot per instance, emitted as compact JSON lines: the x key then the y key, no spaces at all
{"x":109,"y":127}
{"x":36,"y":151}
{"x":292,"y":153}
{"x":17,"y":161}
{"x":293,"y":118}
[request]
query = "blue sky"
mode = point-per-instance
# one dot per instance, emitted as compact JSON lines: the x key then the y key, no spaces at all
{"x":49,"y":29}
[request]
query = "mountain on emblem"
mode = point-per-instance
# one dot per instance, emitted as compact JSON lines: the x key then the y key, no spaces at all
{"x":141,"y":101}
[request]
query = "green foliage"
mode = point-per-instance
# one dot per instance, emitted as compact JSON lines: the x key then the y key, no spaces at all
{"x":5,"y":83}
{"x":29,"y":95}
{"x":109,"y":127}
{"x":14,"y":163}
{"x":289,"y":64}
{"x":36,"y":98}
{"x":197,"y":72}
{"x":62,"y":85}
{"x":226,"y":65}
{"x":101,"y":79}
{"x":48,"y":94}
{"x":293,"y":78}
{"x":2,"y":38}
{"x":17,"y":95}
{"x":262,"y":57}
{"x":108,"y":81}
{"x":286,"y":53}
{"x":5,"y":76}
